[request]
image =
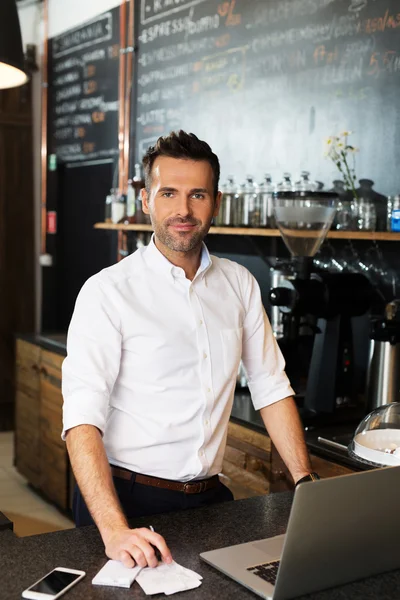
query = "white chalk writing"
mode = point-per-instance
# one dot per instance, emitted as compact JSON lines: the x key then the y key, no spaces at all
{"x":69,"y":63}
{"x":155,"y":9}
{"x":171,"y":72}
{"x":93,"y":56}
{"x":69,"y":92}
{"x":184,"y":25}
{"x":67,"y":78}
{"x":346,"y":25}
{"x":167,"y":53}
{"x":286,"y":9}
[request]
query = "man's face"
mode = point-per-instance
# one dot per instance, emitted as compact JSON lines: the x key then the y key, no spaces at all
{"x":181,"y":202}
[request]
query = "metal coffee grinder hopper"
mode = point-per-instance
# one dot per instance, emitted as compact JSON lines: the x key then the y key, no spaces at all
{"x":323,"y":302}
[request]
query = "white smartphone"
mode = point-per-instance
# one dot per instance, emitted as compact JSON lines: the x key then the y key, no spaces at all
{"x":54,"y":584}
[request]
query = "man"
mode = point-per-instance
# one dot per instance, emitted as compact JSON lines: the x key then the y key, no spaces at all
{"x":154,"y":347}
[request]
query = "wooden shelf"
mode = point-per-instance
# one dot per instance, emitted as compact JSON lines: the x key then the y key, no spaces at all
{"x":117,"y":227}
{"x":338,"y":235}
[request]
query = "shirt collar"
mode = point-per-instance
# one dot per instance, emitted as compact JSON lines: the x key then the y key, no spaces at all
{"x":161,"y":264}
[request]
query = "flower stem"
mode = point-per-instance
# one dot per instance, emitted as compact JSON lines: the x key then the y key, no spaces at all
{"x":350,"y":178}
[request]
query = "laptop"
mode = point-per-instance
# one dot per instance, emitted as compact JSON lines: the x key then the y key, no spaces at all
{"x":340,"y":530}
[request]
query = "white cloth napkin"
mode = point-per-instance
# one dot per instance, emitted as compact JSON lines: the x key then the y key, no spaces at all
{"x":167,"y":579}
{"x":114,"y":573}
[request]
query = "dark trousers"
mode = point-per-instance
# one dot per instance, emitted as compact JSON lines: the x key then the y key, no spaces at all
{"x":138,"y":500}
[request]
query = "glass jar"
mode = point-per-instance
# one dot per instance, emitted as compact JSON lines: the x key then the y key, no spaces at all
{"x":251,"y":204}
{"x":366,"y":215}
{"x":248,"y":204}
{"x":225,"y":217}
{"x":344,"y":219}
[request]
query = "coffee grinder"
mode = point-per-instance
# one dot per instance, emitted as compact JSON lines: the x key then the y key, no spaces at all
{"x":319,"y":309}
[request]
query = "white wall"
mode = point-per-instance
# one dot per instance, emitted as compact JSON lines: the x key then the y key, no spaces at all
{"x":30,"y":19}
{"x":63,"y":15}
{"x":66,"y":14}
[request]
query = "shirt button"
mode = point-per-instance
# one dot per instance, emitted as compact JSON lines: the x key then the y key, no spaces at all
{"x":201,"y":322}
{"x":191,"y":290}
{"x":208,"y":390}
{"x":204,"y":355}
{"x":206,"y":422}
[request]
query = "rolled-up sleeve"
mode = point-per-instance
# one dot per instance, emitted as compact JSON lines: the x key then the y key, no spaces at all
{"x":261,"y":355}
{"x":93,"y":357}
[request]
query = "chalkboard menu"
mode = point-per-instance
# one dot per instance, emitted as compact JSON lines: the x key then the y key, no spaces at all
{"x":265,"y":82}
{"x":83,"y":90}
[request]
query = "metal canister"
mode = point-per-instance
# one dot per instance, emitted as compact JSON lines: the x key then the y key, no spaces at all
{"x":383,"y":376}
{"x":278,"y":276}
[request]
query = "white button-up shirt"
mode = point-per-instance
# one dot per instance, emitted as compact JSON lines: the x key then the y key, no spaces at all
{"x":152,"y":359}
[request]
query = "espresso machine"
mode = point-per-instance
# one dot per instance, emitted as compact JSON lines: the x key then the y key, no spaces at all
{"x":321,"y":334}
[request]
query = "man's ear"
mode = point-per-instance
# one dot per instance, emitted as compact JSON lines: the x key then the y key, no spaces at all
{"x":145,"y":201}
{"x":217,"y":204}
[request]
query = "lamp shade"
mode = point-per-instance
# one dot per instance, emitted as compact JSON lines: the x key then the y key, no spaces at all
{"x":12,"y":71}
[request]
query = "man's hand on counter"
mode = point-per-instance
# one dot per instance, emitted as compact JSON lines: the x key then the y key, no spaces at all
{"x":136,"y":547}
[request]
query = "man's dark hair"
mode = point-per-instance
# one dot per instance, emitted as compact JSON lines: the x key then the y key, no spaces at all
{"x":184,"y":146}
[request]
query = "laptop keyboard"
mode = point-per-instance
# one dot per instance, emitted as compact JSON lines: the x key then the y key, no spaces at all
{"x":267,"y":571}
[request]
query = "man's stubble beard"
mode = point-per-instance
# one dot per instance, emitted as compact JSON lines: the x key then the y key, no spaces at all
{"x":176,"y":244}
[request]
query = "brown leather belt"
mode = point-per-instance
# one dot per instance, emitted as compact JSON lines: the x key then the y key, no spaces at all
{"x":190,"y":487}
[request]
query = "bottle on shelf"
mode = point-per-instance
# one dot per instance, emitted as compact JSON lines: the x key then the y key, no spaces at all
{"x":369,"y":196}
{"x":118,"y":207}
{"x":130,"y":203}
{"x":393,"y":213}
{"x":137,"y":179}
{"x":138,"y":183}
{"x":123,"y":202}
{"x":108,"y":205}
{"x":267,"y":188}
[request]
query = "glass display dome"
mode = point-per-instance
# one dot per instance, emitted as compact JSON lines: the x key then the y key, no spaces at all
{"x":377,"y":438}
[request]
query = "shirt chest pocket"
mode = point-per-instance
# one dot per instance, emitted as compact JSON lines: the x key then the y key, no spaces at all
{"x":231,"y":340}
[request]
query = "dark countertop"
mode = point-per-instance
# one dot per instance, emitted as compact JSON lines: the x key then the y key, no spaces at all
{"x":54,"y":342}
{"x":342,"y":434}
{"x":24,"y":560}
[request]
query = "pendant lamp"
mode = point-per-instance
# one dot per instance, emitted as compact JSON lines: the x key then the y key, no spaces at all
{"x":12,"y":70}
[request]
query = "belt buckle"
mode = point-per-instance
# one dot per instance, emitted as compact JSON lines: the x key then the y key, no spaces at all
{"x":194,"y":488}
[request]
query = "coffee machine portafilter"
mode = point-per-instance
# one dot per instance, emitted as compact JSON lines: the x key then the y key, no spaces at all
{"x":325,"y":303}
